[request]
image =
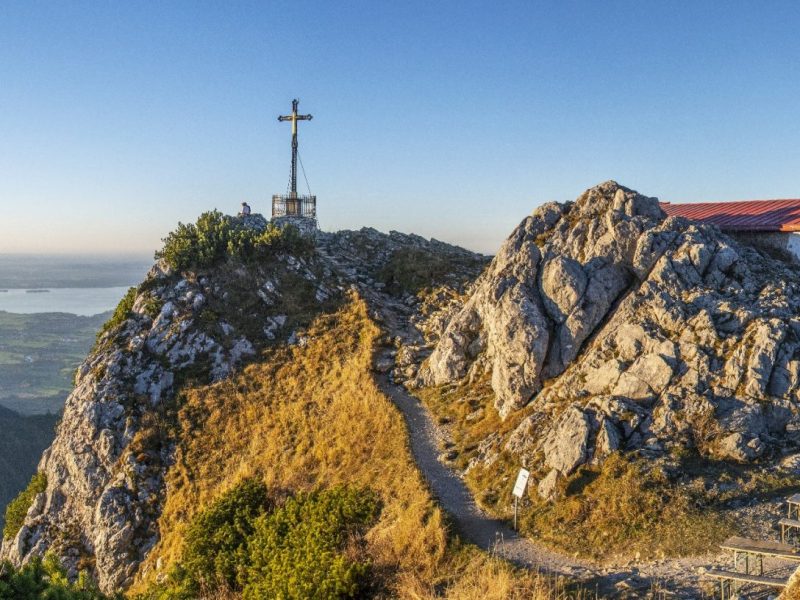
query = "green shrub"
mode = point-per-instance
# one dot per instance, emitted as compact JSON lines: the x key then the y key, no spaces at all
{"x":303,"y":549}
{"x":298,"y":551}
{"x":216,"y":237}
{"x":45,"y":579}
{"x":151,"y":306}
{"x":18,"y":507}
{"x":215,"y":546}
{"x":121,"y":313}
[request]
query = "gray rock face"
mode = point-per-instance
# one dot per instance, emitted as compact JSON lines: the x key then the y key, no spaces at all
{"x":548,"y":288}
{"x":305,"y":225}
{"x":548,"y":487}
{"x":659,"y":331}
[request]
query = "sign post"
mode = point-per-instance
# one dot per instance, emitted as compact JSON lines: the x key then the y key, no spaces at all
{"x":519,"y":490}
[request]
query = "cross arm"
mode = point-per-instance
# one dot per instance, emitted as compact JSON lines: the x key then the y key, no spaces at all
{"x":304,"y":117}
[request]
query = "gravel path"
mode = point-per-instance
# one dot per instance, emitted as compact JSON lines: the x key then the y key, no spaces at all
{"x":451,"y":492}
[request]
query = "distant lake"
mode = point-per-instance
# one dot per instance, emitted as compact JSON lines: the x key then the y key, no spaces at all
{"x":78,"y":301}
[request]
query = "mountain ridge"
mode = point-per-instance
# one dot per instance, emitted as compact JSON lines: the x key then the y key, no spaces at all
{"x":601,"y":327}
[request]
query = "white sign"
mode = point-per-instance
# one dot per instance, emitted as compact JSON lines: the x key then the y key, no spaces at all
{"x":522,"y":483}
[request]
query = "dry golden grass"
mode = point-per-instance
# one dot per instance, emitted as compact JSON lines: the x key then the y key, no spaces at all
{"x":311,"y":416}
{"x":483,"y":577}
{"x":620,"y":509}
{"x":624,"y":509}
{"x":792,"y":591}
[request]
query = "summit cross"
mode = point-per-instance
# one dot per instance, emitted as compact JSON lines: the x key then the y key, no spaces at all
{"x":294,"y":118}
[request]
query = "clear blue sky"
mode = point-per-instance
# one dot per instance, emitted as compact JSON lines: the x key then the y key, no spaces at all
{"x":448,"y":119}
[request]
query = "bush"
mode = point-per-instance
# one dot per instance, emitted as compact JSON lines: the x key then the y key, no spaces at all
{"x":18,"y":507}
{"x":215,"y":550}
{"x":299,"y":550}
{"x":121,"y":313}
{"x":44,"y":579}
{"x":216,"y":237}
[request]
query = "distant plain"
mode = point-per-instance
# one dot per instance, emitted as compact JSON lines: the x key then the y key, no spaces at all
{"x":40,"y":349}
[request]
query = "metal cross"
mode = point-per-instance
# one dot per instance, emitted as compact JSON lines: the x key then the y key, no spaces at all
{"x":294,"y":118}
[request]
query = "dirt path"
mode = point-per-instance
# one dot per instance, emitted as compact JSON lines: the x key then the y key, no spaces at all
{"x":453,"y":495}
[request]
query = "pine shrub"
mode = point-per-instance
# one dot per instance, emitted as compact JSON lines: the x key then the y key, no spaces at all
{"x":18,"y":507}
{"x":306,"y":548}
{"x":45,"y":579}
{"x":217,"y":237}
{"x":215,"y":551}
{"x":301,"y":550}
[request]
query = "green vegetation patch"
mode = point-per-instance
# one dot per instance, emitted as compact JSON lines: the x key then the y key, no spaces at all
{"x":45,"y":579}
{"x":151,"y":306}
{"x":121,"y":313}
{"x":309,"y":547}
{"x":217,"y":237}
{"x":18,"y":507}
{"x":216,"y":543}
{"x":38,"y":357}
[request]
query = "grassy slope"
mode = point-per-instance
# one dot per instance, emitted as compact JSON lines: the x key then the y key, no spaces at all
{"x":22,"y":441}
{"x":311,"y":416}
{"x":623,"y":508}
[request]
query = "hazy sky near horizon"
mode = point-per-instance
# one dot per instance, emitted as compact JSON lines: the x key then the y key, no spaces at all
{"x":447,"y":119}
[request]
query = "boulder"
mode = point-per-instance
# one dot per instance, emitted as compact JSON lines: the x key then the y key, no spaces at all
{"x":548,"y":487}
{"x":740,"y":447}
{"x":565,"y":448}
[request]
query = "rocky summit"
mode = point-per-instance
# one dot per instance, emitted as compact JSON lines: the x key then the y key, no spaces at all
{"x":621,"y":329}
{"x":602,"y":326}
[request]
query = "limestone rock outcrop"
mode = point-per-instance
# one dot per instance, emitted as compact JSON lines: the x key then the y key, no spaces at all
{"x":619,"y":328}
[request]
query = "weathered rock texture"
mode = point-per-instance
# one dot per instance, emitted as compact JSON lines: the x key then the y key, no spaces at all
{"x":619,"y":328}
{"x":105,"y":469}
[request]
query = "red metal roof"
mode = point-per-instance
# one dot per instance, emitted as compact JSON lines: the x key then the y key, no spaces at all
{"x":748,"y":215}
